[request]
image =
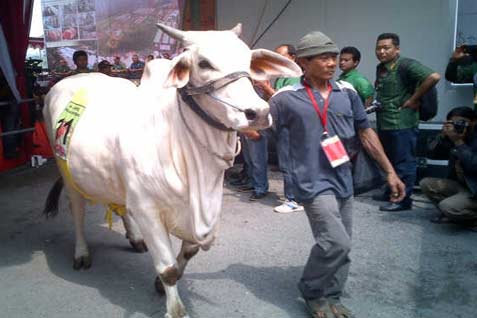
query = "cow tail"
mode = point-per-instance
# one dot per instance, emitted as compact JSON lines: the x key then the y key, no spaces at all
{"x":51,"y":204}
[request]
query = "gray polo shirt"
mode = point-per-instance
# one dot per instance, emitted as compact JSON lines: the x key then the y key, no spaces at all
{"x":292,"y":109}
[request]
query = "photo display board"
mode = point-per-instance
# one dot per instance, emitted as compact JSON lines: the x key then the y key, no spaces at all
{"x":107,"y":28}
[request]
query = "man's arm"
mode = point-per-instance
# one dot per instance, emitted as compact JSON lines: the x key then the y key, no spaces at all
{"x":460,"y":68}
{"x":366,"y":91}
{"x":266,"y":88}
{"x":426,"y":85}
{"x":373,"y":147}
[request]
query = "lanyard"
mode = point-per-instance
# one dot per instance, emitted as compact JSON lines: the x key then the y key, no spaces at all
{"x":323,"y":117}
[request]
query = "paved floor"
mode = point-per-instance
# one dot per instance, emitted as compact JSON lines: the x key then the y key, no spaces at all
{"x":403,"y":265}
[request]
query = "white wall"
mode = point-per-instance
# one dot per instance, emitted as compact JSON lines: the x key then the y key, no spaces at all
{"x":426,"y":29}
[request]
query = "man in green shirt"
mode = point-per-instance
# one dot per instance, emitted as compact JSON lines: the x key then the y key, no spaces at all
{"x":62,"y":69}
{"x":462,"y":68}
{"x":398,"y":120}
{"x":118,"y":68}
{"x":349,"y":60}
{"x":258,"y":147}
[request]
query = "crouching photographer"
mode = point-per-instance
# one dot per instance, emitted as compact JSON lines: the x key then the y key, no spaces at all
{"x":456,"y":197}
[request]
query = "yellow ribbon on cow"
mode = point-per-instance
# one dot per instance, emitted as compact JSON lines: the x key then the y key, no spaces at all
{"x":65,"y":126}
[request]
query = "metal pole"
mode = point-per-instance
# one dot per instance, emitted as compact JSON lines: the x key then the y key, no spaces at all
{"x":19,"y":131}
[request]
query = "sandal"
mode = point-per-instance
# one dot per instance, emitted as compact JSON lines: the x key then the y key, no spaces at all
{"x":319,"y":308}
{"x":441,"y":219}
{"x":340,"y":311}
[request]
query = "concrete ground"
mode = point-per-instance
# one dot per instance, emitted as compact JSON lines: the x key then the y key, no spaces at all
{"x":403,"y":265}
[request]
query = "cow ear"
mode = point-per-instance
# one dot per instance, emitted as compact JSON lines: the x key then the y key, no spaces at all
{"x":179,"y":74}
{"x":267,"y":64}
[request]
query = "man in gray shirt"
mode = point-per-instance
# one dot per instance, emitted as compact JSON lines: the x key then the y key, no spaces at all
{"x":315,"y":106}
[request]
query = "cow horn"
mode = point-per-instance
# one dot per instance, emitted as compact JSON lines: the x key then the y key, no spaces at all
{"x":172,"y":32}
{"x":237,"y":29}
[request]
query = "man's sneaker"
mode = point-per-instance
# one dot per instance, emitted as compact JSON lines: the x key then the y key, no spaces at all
{"x":288,"y":206}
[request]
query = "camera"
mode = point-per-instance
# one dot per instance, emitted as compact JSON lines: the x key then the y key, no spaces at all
{"x":374,"y":107}
{"x":471,"y":50}
{"x":459,"y":125}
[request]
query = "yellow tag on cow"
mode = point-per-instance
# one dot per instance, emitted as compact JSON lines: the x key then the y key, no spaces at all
{"x":67,"y":121}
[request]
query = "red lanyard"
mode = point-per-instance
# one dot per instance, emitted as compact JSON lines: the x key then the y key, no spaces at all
{"x":323,"y":117}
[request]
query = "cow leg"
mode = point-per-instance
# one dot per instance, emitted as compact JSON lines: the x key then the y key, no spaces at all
{"x":160,"y":247}
{"x":188,"y":250}
{"x":82,"y":259}
{"x":133,"y":234}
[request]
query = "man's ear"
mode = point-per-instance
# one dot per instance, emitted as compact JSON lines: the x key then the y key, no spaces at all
{"x":179,"y":74}
{"x":266,"y":64}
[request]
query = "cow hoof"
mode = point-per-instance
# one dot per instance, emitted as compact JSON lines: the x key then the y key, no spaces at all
{"x":82,"y":262}
{"x":169,"y":316}
{"x":159,"y":287}
{"x":138,"y":246}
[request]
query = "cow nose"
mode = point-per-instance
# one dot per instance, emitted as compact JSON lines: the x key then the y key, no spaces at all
{"x":250,"y":114}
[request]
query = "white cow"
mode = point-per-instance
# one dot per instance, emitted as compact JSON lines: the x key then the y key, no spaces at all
{"x":147,"y":149}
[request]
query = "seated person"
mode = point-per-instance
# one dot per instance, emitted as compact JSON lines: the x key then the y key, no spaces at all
{"x":118,"y":67}
{"x":456,"y":197}
{"x":80,"y":58}
{"x":62,"y":69}
{"x":136,"y":68}
{"x":105,"y":67}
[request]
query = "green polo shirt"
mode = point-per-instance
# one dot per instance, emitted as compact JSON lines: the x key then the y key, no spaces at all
{"x":62,"y":69}
{"x":392,"y":94}
{"x":118,"y":67}
{"x":360,"y":83}
{"x":285,"y":81}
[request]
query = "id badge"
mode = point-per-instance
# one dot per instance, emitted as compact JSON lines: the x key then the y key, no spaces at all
{"x":334,"y":150}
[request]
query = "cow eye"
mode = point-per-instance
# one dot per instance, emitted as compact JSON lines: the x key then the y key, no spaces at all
{"x":205,"y":65}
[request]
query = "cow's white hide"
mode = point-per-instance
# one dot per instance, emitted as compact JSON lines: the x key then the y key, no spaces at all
{"x":144,"y":148}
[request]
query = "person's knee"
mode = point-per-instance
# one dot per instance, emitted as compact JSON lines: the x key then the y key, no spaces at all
{"x":425,"y":184}
{"x":341,"y":246}
{"x":446,"y":207}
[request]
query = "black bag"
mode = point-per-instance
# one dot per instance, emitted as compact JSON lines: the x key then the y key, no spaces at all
{"x":367,"y":174}
{"x":429,"y":102}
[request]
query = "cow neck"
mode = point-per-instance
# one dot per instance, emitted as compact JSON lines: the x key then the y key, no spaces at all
{"x":228,"y":158}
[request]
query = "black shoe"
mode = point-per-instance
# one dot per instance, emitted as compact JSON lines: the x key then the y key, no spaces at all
{"x":245,"y":188}
{"x":394,"y":207}
{"x":240,"y":182}
{"x":235,"y":176}
{"x":257,"y":196}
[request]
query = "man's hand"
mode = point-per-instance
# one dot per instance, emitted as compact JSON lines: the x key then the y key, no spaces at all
{"x":266,"y":87}
{"x":449,"y":130}
{"x":458,"y":53}
{"x":397,"y":187}
{"x":252,"y":134}
{"x":411,"y":103}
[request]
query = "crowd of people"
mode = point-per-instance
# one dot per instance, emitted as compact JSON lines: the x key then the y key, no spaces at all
{"x":117,"y":68}
{"x":315,"y":113}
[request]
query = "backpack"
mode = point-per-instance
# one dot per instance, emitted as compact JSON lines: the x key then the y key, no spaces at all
{"x":429,"y":102}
